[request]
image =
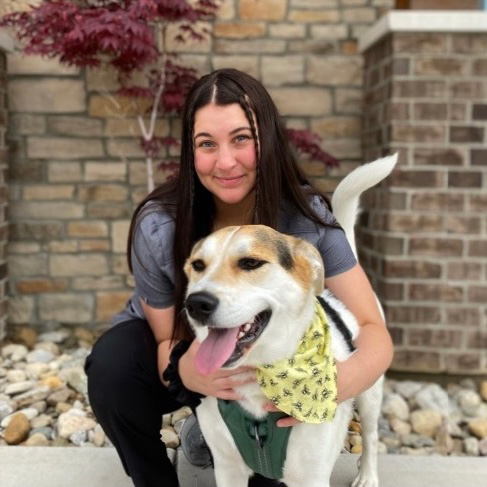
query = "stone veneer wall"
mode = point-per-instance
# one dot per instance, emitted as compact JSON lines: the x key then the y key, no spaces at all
{"x":5,"y":44}
{"x":77,"y":172}
{"x":424,"y":233}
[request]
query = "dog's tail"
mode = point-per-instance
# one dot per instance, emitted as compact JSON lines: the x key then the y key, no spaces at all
{"x":345,"y":200}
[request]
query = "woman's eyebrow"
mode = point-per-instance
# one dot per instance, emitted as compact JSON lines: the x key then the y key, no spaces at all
{"x":238,"y":129}
{"x":206,"y":134}
{"x":202,"y":134}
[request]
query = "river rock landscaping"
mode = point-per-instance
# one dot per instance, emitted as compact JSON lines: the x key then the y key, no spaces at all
{"x":43,"y":402}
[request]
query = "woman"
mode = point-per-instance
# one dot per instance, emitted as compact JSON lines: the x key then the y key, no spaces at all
{"x":236,"y":168}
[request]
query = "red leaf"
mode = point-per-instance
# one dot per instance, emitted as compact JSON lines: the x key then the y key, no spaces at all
{"x":308,"y":143}
{"x":169,"y":166}
{"x":153,"y":146}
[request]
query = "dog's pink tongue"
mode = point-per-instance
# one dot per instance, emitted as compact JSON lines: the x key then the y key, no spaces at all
{"x":215,"y":349}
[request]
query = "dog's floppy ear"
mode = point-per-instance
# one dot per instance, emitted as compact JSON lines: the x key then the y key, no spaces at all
{"x":311,"y":254}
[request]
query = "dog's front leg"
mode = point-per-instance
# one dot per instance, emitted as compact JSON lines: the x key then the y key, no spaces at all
{"x":230,"y":469}
{"x":228,"y":474}
{"x":314,"y":448}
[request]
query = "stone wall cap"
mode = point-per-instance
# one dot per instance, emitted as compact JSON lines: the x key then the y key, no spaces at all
{"x":6,"y":42}
{"x":424,"y":21}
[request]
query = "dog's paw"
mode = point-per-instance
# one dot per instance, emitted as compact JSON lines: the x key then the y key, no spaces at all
{"x":365,"y":480}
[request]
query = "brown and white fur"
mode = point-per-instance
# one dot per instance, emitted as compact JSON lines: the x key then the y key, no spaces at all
{"x":247,"y":269}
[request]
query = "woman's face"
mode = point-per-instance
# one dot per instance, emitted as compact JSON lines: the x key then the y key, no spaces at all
{"x":225,"y":153}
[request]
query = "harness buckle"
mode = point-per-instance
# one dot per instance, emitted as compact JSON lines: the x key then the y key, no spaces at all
{"x":258,"y":439}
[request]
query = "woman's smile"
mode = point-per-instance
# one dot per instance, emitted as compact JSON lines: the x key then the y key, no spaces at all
{"x":229,"y":182}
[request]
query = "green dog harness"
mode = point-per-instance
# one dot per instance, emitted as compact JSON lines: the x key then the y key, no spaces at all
{"x":261,"y":443}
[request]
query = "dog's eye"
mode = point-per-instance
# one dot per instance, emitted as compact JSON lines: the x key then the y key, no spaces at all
{"x":198,"y":265}
{"x":249,"y":264}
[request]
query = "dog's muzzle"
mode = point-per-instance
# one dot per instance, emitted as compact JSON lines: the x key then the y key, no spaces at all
{"x":223,"y":345}
{"x":201,"y":305}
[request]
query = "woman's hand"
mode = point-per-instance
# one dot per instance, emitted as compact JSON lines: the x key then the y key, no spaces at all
{"x":283,"y":422}
{"x":218,"y":384}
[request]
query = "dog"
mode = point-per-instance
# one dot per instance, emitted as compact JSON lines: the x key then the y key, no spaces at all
{"x":266,"y":283}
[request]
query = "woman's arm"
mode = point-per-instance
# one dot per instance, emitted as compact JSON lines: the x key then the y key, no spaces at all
{"x":161,"y":323}
{"x":374,"y":345}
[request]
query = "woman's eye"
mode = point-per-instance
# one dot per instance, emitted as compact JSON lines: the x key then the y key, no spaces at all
{"x":206,"y":144}
{"x":241,"y":138}
{"x":198,"y":265}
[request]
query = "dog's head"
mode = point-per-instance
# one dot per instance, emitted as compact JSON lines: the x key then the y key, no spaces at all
{"x":250,"y":295}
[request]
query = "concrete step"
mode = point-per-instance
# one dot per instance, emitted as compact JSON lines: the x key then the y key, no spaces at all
{"x":99,"y":467}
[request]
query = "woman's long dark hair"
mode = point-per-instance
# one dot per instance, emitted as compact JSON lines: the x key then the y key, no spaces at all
{"x":191,"y":204}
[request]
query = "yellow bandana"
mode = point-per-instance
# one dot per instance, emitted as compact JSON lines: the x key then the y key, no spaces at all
{"x":305,"y":385}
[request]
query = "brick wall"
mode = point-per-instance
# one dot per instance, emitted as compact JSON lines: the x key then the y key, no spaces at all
{"x":444,"y":4}
{"x":424,"y":234}
{"x":3,"y":192}
{"x":77,"y":171}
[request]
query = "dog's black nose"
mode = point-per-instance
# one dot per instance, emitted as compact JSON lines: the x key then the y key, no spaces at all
{"x":201,"y":305}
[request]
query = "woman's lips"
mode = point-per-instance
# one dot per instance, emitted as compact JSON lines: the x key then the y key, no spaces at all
{"x":229,"y":182}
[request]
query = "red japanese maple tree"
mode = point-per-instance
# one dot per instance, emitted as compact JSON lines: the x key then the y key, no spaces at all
{"x":129,"y":36}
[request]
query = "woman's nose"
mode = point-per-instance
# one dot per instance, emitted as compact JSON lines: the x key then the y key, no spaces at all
{"x":225,"y":158}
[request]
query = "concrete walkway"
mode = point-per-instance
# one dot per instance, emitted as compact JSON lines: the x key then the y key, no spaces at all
{"x":100,"y":467}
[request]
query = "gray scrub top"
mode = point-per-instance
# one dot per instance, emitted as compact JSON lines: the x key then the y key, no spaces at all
{"x":153,"y":263}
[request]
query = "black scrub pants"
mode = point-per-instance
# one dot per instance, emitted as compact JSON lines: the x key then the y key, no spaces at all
{"x":129,"y":399}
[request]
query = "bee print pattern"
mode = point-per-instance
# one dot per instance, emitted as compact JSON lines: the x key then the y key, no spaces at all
{"x":298,"y":405}
{"x":317,"y":335}
{"x":304,"y":385}
{"x":276,"y":400}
